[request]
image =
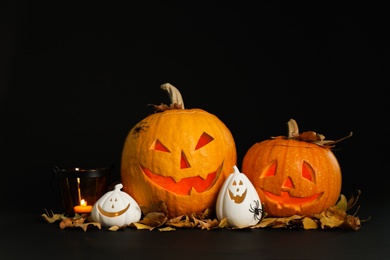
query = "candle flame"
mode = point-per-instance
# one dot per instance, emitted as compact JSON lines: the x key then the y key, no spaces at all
{"x":83,"y":202}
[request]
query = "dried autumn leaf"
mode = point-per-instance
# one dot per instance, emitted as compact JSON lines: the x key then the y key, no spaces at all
{"x":51,"y":217}
{"x":84,"y":226}
{"x":351,"y":222}
{"x":342,"y":203}
{"x":138,"y":225}
{"x":154,"y":219}
{"x":181,"y":222}
{"x":310,"y":136}
{"x":265,"y":222}
{"x":330,"y":221}
{"x":167,"y":229}
{"x":113,"y":228}
{"x":353,"y":200}
{"x":208,"y":213}
{"x":78,"y":221}
{"x":309,"y":223}
{"x":223,"y":223}
{"x":209,"y":224}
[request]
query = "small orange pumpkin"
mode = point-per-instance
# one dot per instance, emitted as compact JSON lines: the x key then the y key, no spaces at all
{"x":298,"y":174}
{"x":179,"y":156}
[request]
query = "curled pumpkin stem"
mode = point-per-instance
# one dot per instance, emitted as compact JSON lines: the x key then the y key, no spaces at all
{"x":311,"y":136}
{"x":174,"y":96}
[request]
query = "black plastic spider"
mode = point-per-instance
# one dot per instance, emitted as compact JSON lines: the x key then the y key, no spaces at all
{"x":140,"y":127}
{"x":257,"y":211}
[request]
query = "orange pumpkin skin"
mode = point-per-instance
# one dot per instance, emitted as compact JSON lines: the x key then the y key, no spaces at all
{"x":179,"y":156}
{"x":293,"y":176}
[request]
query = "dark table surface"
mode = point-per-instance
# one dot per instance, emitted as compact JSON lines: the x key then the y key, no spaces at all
{"x":27,"y":235}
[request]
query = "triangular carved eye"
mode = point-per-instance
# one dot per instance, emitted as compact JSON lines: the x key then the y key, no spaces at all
{"x":203,"y":140}
{"x":158,"y":146}
{"x":308,"y":172}
{"x":270,"y":170}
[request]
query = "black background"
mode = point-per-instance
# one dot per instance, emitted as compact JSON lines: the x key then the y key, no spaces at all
{"x":75,"y":78}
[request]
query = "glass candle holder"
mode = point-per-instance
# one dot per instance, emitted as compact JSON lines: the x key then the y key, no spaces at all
{"x":81,"y":187}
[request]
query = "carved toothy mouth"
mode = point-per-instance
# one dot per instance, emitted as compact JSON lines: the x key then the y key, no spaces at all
{"x":286,"y":199}
{"x":237,"y":198}
{"x":184,"y":186}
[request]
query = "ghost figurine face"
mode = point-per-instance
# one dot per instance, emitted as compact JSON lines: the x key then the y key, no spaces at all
{"x":116,"y":208}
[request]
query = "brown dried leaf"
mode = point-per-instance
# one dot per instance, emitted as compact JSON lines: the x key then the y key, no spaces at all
{"x":162,"y":107}
{"x":310,"y":136}
{"x":209,"y":224}
{"x":353,"y":200}
{"x":84,"y":226}
{"x":51,"y":217}
{"x":154,"y":219}
{"x":208,"y":213}
{"x":78,"y":221}
{"x":181,"y":222}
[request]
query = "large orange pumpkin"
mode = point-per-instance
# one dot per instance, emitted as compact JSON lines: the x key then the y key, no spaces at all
{"x":178,"y":156}
{"x":298,"y":174}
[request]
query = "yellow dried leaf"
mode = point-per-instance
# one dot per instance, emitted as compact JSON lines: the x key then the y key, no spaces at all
{"x":141,"y":226}
{"x":330,"y":221}
{"x":342,"y":203}
{"x":309,"y":223}
{"x":223,"y":223}
{"x":167,"y":229}
{"x":113,"y":228}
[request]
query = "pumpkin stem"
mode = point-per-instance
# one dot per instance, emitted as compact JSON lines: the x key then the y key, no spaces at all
{"x":174,"y":94}
{"x":311,"y":136}
{"x":293,"y":130}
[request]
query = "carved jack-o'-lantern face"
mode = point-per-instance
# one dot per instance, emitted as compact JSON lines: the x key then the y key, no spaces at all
{"x":293,"y":176}
{"x":238,"y":201}
{"x":180,"y":157}
{"x":116,"y":208}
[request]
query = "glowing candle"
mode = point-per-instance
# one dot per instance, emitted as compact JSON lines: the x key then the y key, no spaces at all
{"x":83,"y":208}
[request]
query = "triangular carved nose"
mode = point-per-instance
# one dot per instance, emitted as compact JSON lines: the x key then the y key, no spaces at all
{"x":184,"y":164}
{"x":288,"y":183}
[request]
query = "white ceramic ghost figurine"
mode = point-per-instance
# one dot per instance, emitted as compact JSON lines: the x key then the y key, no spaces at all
{"x":116,"y":208}
{"x":238,"y":201}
